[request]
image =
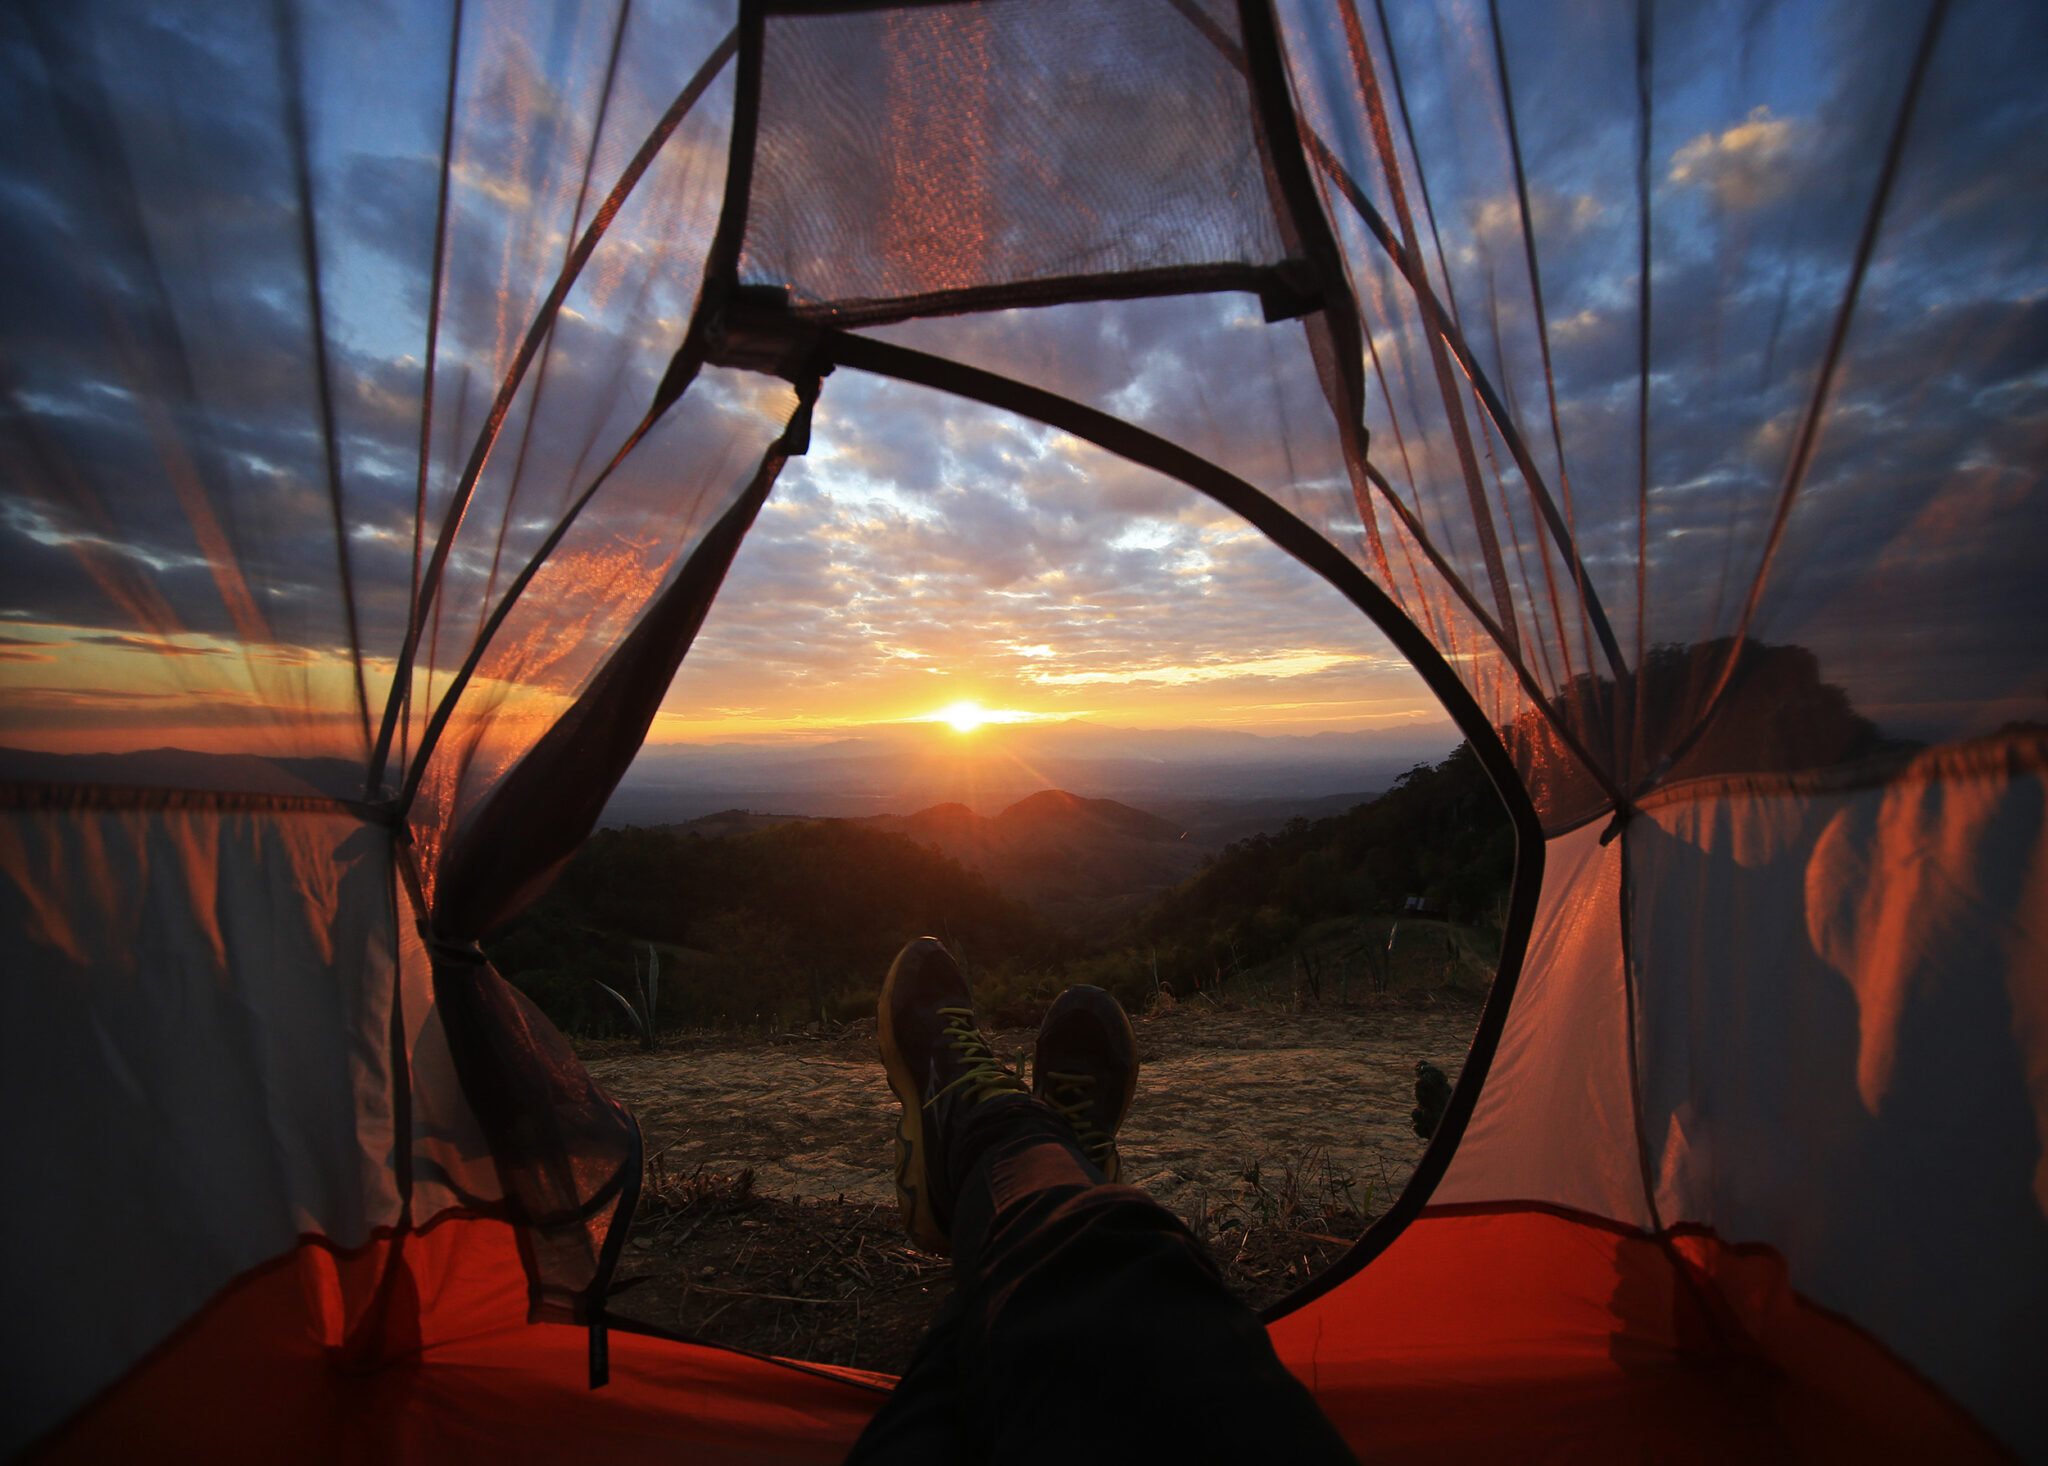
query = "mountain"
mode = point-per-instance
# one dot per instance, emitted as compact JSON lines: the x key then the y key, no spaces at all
{"x":1080,"y":861}
{"x":1214,"y":823}
{"x":881,"y":769}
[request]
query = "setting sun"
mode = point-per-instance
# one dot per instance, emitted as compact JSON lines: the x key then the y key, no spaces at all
{"x":964,"y":716}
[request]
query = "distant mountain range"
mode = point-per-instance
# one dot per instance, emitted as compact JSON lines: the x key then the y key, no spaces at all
{"x":886,"y":769}
{"x":1057,"y":850}
{"x":1081,"y":862}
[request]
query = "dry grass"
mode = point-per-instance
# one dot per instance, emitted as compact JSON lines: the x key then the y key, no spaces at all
{"x":834,"y":1281}
{"x":825,"y":1280}
{"x":768,"y":1222}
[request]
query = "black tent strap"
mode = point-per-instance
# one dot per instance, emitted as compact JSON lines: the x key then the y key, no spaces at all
{"x":1299,"y":205}
{"x":1285,"y":290}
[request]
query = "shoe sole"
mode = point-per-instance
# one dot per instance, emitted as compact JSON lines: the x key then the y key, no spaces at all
{"x":913,"y":1194}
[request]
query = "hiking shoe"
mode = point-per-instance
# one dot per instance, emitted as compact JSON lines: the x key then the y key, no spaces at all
{"x":940,"y":1066}
{"x":1086,"y":1069}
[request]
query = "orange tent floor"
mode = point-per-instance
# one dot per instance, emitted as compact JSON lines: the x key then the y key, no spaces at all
{"x":1481,"y":1335}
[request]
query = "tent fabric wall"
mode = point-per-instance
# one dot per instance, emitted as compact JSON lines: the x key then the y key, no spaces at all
{"x":226,"y":978}
{"x":379,"y":399}
{"x":258,"y":1375}
{"x":1848,"y":1060}
{"x":1556,"y":1122}
{"x":1830,"y":1065}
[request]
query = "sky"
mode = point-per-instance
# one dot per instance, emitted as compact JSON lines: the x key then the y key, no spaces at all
{"x":927,"y":553}
{"x":218,"y":482}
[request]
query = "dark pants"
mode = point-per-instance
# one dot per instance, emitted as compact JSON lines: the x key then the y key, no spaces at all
{"x":1086,"y":1324}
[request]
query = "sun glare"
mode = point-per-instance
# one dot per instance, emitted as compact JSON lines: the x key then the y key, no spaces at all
{"x":964,"y":716}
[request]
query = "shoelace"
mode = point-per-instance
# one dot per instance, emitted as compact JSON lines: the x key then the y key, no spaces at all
{"x":1073,"y":1095}
{"x":984,"y":1075}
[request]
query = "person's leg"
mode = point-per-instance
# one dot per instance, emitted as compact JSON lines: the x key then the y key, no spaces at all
{"x":919,"y":1424}
{"x":941,"y":1069}
{"x":1094,"y":1327}
{"x":1088,"y":1324}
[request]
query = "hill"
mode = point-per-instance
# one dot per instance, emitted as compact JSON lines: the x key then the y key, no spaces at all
{"x":888,"y":768}
{"x":1079,"y":862}
{"x":1329,"y":890}
{"x":799,"y":920}
{"x":758,"y":919}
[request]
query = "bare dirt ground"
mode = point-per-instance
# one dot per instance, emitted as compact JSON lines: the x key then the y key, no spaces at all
{"x":768,"y":1221}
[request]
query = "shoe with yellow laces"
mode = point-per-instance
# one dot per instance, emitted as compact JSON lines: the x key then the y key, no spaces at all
{"x":940,"y":1067}
{"x":1086,"y":1069}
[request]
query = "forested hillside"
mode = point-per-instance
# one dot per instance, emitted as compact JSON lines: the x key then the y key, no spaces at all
{"x":799,"y":921}
{"x":1321,"y":897}
{"x":1082,"y":864}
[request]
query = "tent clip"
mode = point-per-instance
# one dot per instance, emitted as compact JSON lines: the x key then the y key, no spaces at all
{"x":1289,"y":290}
{"x":754,"y":329}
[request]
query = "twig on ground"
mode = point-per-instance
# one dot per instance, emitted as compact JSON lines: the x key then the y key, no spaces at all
{"x":771,"y":1297}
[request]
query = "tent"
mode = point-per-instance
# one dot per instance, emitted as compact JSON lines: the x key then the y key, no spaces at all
{"x":388,"y":389}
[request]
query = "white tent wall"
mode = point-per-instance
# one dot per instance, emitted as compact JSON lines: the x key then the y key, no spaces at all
{"x":276,"y":333}
{"x":1841,"y":1045}
{"x":1843,"y":1037}
{"x":196,"y":1058}
{"x":1556,"y":1121}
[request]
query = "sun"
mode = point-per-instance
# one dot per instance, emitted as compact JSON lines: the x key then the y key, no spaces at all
{"x":964,"y":716}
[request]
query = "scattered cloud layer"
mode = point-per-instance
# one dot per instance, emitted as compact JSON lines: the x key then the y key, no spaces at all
{"x":168,"y":515}
{"x":928,"y":551}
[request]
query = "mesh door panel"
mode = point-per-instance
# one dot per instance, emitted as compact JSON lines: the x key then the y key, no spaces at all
{"x":948,"y":147}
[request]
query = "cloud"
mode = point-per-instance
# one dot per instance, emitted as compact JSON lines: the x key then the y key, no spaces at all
{"x":1009,"y":563}
{"x":25,"y":649}
{"x":1282,"y":665}
{"x":155,"y":646}
{"x":1746,"y":166}
{"x":929,"y":549}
